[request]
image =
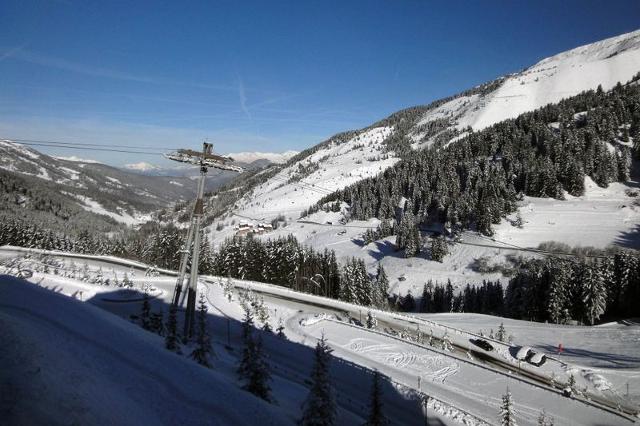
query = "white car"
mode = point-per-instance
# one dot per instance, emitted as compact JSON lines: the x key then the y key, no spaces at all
{"x":523,"y":353}
{"x":537,"y":359}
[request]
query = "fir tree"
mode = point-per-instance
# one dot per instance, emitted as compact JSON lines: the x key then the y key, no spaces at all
{"x":501,"y":335}
{"x":439,"y":249}
{"x":372,"y":322}
{"x":171,"y":339}
{"x":146,"y":312}
{"x":376,"y":416}
{"x":320,"y":405}
{"x":280,"y":329}
{"x":253,"y":369}
{"x":544,"y":419}
{"x":203,"y":349}
{"x":507,"y":415}
{"x":157,"y":323}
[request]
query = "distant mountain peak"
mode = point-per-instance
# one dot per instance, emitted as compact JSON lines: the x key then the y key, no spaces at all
{"x":274,"y":157}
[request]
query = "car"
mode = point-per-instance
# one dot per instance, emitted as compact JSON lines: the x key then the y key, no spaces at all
{"x":523,"y":353}
{"x":483,"y":344}
{"x":537,"y":359}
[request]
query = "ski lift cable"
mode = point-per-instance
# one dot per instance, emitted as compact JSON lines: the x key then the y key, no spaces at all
{"x":100,"y":145}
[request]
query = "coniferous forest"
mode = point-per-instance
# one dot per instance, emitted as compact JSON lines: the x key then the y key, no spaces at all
{"x":474,"y":182}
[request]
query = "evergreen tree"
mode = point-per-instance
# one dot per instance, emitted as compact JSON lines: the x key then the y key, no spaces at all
{"x":372,"y":322}
{"x":203,"y":349}
{"x":544,"y":419}
{"x":171,"y":339}
{"x":439,"y":249}
{"x":501,"y":335}
{"x":156,"y":323}
{"x":507,"y":415}
{"x":320,"y":406}
{"x":145,"y":315}
{"x":280,"y":329}
{"x":254,"y":370}
{"x":376,"y":416}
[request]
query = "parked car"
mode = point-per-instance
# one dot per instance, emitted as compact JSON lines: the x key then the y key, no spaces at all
{"x":537,"y":359}
{"x":483,"y":344}
{"x":523,"y":353}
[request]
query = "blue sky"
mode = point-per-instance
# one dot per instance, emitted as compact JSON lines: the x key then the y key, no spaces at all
{"x":262,"y":76}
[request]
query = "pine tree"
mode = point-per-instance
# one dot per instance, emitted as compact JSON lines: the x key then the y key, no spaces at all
{"x":544,"y":419}
{"x":501,"y":335}
{"x":439,"y":249}
{"x":594,"y":293}
{"x":157,"y":323}
{"x":507,"y":415}
{"x":247,"y":323}
{"x":203,"y":349}
{"x":146,"y":312}
{"x":171,"y":339}
{"x":376,"y":416}
{"x":280,"y":329}
{"x":320,"y":405}
{"x":253,"y":369}
{"x":372,"y":322}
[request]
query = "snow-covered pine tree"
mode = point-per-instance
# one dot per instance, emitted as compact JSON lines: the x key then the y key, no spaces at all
{"x":439,"y":249}
{"x":376,"y":416}
{"x":372,"y":322}
{"x":171,"y":339}
{"x":507,"y":414}
{"x":381,"y":291}
{"x":501,"y":335}
{"x":203,"y":349}
{"x":544,"y":419}
{"x":320,"y":405}
{"x":267,"y":327}
{"x":594,"y":293}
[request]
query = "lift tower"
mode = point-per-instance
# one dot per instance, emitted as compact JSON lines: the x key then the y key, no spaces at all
{"x":191,"y":249}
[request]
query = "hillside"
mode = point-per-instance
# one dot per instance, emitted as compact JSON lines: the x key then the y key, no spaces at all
{"x":56,"y":189}
{"x":353,"y":156}
{"x":67,"y":362}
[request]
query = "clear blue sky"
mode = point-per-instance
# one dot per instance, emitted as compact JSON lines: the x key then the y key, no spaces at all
{"x":263,"y":75}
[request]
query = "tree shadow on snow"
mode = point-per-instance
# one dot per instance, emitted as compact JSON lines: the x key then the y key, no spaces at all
{"x":291,"y":361}
{"x":629,"y":239}
{"x":606,"y":360}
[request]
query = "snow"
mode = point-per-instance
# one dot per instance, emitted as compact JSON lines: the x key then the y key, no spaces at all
{"x":71,"y":362}
{"x":122,"y":216}
{"x":464,"y":390}
{"x":142,"y":166}
{"x":605,"y":63}
{"x":274,"y":157}
{"x":76,"y":159}
{"x":599,"y":218}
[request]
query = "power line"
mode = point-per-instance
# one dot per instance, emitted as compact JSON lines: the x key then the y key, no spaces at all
{"x":104,"y":145}
{"x":94,"y":149}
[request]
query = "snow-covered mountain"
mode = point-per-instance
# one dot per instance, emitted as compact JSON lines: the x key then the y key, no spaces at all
{"x":273,"y":157}
{"x":97,"y":188}
{"x":353,"y":156}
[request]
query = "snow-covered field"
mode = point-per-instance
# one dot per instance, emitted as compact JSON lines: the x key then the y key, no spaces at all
{"x":465,"y":390}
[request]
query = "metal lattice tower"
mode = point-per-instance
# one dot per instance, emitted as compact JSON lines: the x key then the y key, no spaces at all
{"x":191,"y":249}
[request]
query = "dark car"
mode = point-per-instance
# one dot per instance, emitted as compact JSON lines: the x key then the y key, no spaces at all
{"x":483,"y":344}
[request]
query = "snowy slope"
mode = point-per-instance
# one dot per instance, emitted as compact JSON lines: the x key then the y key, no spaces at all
{"x":604,"y":63}
{"x":335,"y":166}
{"x":97,"y":188}
{"x":332,"y":167}
{"x":66,"y":362}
